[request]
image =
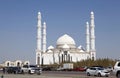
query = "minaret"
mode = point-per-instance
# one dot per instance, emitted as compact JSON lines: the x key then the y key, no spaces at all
{"x":87,"y":37}
{"x":44,"y":37}
{"x":38,"y":50}
{"x":92,"y":28}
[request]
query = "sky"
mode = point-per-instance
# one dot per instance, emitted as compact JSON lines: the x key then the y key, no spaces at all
{"x":18,"y":25}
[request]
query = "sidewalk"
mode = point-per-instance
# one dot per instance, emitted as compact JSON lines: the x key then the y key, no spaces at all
{"x":29,"y":76}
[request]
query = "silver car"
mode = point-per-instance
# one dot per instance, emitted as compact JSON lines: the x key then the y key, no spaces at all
{"x":97,"y":71}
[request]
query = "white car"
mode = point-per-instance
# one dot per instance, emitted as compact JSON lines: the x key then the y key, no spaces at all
{"x":97,"y":71}
{"x":109,"y":69}
{"x":31,"y":69}
{"x":116,"y":70}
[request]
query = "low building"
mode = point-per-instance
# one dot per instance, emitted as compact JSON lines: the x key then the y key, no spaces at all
{"x":14,"y":63}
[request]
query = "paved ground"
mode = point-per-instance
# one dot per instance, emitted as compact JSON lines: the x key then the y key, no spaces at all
{"x":46,"y":76}
{"x":30,"y":76}
{"x":52,"y":74}
{"x":35,"y":76}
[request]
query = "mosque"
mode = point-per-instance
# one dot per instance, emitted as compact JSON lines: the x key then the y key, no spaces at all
{"x":65,"y":49}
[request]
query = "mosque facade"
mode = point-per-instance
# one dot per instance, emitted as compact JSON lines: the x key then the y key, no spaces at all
{"x":65,"y":49}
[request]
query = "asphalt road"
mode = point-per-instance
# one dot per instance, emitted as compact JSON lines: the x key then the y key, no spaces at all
{"x":53,"y":74}
{"x":72,"y":74}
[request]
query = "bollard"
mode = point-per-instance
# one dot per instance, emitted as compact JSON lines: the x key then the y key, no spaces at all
{"x":2,"y":76}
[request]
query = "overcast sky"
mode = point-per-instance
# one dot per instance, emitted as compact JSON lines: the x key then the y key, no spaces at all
{"x":18,"y":25}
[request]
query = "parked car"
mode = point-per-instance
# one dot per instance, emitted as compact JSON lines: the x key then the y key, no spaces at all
{"x":80,"y":69}
{"x":116,"y":69}
{"x":60,"y":69}
{"x":97,"y":71}
{"x":14,"y":70}
{"x":46,"y":69}
{"x":31,"y":69}
{"x":38,"y":70}
{"x":109,"y":68}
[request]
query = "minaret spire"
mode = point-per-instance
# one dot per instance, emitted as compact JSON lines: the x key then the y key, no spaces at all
{"x":87,"y":37}
{"x":92,"y":27}
{"x":38,"y":51}
{"x":44,"y":37}
{"x":39,"y":32}
{"x":92,"y":32}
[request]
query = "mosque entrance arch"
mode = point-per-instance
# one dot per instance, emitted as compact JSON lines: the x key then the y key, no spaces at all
{"x":65,"y":57}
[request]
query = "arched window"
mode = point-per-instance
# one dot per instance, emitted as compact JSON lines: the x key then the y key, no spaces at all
{"x":68,"y":57}
{"x":92,"y":56}
{"x":8,"y":64}
{"x":59,"y":58}
{"x":26,"y":63}
{"x":38,"y":60}
{"x":42,"y":61}
{"x":62,"y":58}
{"x":71,"y":58}
{"x":18,"y":64}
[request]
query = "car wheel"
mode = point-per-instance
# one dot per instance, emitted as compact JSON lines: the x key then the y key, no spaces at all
{"x":22,"y":72}
{"x":118,"y":75}
{"x":107,"y":76}
{"x":15,"y":72}
{"x":88,"y":74}
{"x":38,"y":73}
{"x":99,"y":75}
{"x":29,"y":72}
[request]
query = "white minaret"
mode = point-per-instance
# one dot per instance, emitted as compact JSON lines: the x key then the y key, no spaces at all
{"x":92,"y":28}
{"x":38,"y":50}
{"x":87,"y":37}
{"x":44,"y":37}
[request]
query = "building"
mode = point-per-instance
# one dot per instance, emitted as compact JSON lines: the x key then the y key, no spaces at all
{"x":65,"y":49}
{"x":18,"y":63}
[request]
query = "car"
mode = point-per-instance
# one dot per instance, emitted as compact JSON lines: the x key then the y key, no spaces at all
{"x":80,"y":69}
{"x":14,"y":70}
{"x":31,"y":69}
{"x":97,"y":71}
{"x":38,"y":70}
{"x":116,"y":70}
{"x":109,"y":68}
{"x":46,"y":69}
{"x":60,"y":69}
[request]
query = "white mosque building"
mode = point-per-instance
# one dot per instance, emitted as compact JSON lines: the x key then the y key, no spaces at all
{"x":65,"y":49}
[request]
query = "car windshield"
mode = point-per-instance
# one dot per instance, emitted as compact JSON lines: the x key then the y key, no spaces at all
{"x":33,"y":66}
{"x":100,"y":68}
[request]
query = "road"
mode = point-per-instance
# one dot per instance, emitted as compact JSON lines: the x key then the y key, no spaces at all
{"x":72,"y":74}
{"x":53,"y":74}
